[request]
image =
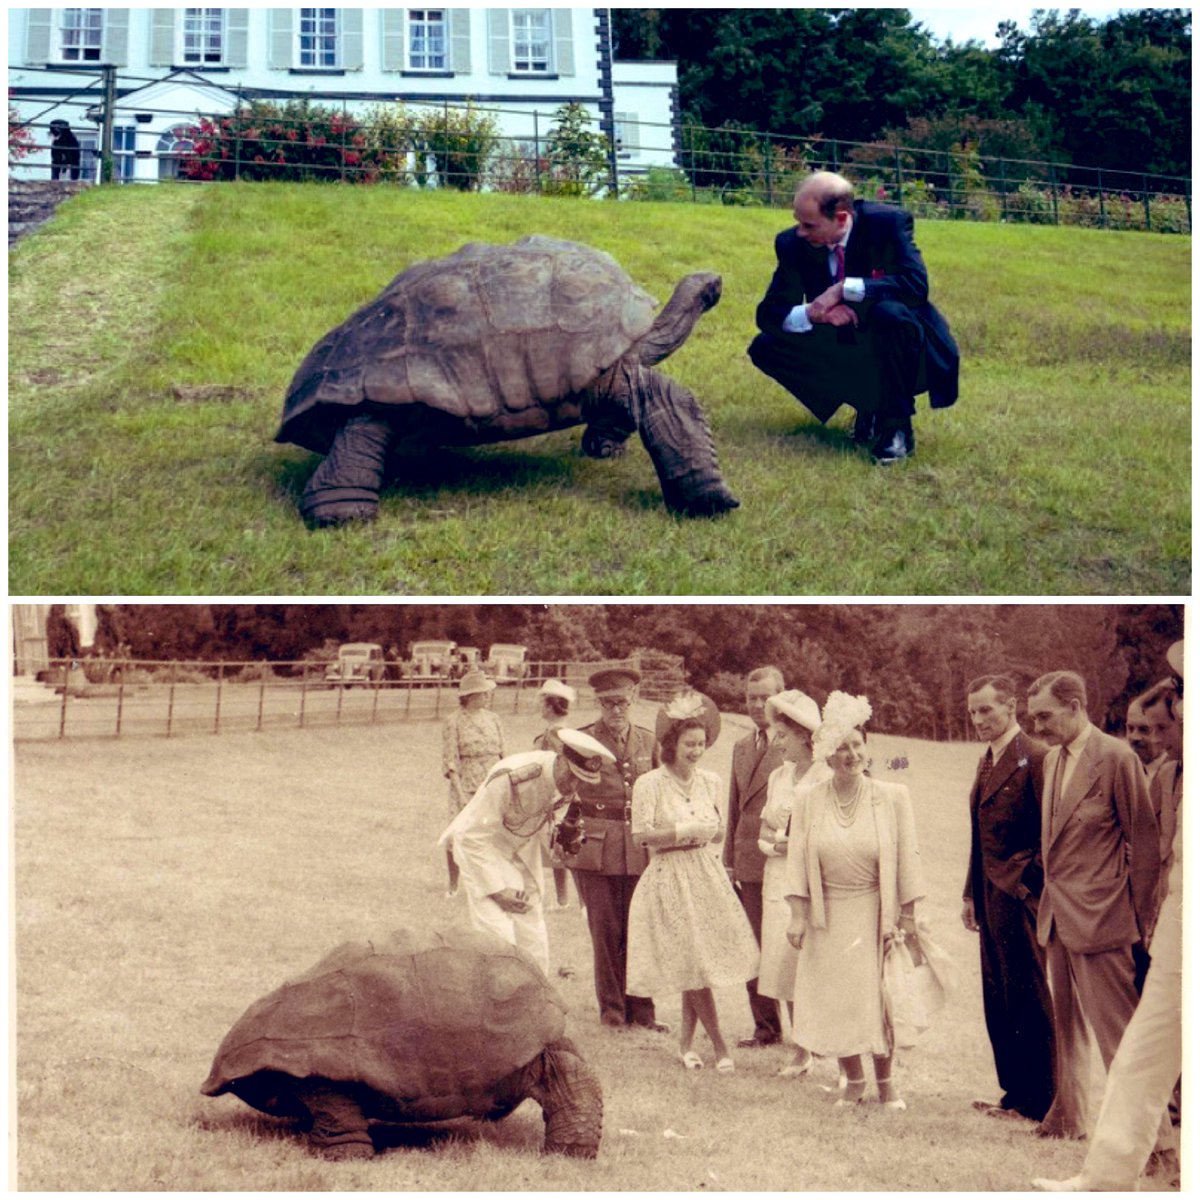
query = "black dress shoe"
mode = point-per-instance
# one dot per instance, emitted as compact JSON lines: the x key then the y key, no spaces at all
{"x":897,"y":443}
{"x":864,"y":429}
{"x":751,"y":1043}
{"x":653,"y":1026}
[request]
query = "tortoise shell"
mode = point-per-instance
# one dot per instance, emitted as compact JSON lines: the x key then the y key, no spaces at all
{"x":489,"y":338}
{"x":426,"y":1021}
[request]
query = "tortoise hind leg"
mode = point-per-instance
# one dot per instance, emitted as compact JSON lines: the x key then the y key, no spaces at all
{"x":339,"y":1125}
{"x":345,"y":487}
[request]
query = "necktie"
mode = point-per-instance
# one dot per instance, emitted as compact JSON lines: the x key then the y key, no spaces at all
{"x":1056,"y":788}
{"x":839,"y":273}
{"x":985,"y":771}
{"x":760,"y":741}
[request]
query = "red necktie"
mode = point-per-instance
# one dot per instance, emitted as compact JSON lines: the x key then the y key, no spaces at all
{"x":839,"y":253}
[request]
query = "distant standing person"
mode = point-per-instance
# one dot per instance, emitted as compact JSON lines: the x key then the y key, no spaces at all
{"x":607,"y":867}
{"x":847,"y":319}
{"x":64,"y":151}
{"x":687,"y":931}
{"x":754,"y":758}
{"x":1000,"y":901}
{"x":472,"y":744}
{"x":853,"y":876}
{"x":500,"y":836}
{"x":795,"y":718}
{"x":1100,"y":856}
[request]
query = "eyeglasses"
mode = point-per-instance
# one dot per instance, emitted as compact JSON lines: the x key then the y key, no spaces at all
{"x":615,"y":702}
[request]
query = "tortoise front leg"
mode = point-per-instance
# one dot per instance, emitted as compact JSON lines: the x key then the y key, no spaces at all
{"x":339,"y":1126}
{"x":345,"y":487}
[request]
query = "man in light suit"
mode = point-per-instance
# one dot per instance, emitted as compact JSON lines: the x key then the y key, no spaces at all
{"x":846,"y":318}
{"x":1000,"y":901}
{"x":754,"y":758}
{"x":1101,"y":861}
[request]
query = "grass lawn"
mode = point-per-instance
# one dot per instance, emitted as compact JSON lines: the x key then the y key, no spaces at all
{"x":153,"y":331}
{"x":161,"y":886}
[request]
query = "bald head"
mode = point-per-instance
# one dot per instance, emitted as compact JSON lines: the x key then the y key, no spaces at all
{"x":824,"y":208}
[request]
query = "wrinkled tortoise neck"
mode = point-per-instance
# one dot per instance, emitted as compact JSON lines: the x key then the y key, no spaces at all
{"x":694,"y":295}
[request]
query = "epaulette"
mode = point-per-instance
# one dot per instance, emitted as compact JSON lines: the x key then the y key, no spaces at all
{"x":526,"y":774}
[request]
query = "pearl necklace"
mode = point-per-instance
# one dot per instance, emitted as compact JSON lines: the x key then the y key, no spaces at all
{"x":845,"y":813}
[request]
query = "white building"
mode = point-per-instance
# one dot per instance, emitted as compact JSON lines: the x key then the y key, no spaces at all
{"x":175,"y":64}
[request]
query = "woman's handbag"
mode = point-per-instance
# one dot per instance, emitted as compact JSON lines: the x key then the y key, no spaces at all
{"x":917,"y":976}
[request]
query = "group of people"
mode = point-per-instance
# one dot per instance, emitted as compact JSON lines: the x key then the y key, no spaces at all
{"x":1073,"y":886}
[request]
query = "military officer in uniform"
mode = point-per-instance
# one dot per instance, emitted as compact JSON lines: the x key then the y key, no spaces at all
{"x":608,"y":864}
{"x":499,"y":837}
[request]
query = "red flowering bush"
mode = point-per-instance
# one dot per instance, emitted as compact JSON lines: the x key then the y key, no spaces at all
{"x":295,"y":141}
{"x":21,"y":141}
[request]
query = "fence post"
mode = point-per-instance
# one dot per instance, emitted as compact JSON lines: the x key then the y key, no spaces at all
{"x":217,"y":714}
{"x":303,"y":695}
{"x":170,"y":707}
{"x":767,"y":170}
{"x":375,"y":700}
{"x":341,"y":691}
{"x":62,"y":716}
{"x":900,"y":180}
{"x":1054,"y":193}
{"x":1003,"y":193}
{"x":106,"y":133}
{"x":120,"y":703}
{"x":262,"y":692}
{"x":537,"y":153}
{"x":1100,"y":189}
{"x":237,"y":138}
{"x":1146,"y":200}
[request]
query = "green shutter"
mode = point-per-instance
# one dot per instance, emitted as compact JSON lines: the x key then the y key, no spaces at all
{"x":499,"y":57}
{"x":460,"y":40}
{"x":115,"y":39}
{"x":162,"y":37}
{"x":237,"y":37}
{"x":352,"y":38}
{"x":37,"y":35}
{"x":393,"y":39}
{"x":564,"y":50}
{"x":280,"y":37}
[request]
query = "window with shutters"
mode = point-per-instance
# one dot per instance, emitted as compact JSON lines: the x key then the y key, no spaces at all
{"x":626,"y":133}
{"x":318,"y":37}
{"x":204,"y":36}
{"x":428,"y":40}
{"x":531,"y":40}
{"x":82,"y":34}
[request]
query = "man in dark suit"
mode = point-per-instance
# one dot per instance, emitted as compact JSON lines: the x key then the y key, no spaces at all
{"x":754,"y":758}
{"x":1101,"y":860}
{"x":1000,"y":901}
{"x":608,"y":864}
{"x":847,"y":319}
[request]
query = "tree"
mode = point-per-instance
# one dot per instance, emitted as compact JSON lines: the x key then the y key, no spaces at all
{"x":577,"y":156}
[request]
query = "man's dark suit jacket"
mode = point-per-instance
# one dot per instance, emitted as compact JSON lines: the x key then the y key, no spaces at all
{"x":1006,"y":826}
{"x":882,"y":253}
{"x":747,"y":794}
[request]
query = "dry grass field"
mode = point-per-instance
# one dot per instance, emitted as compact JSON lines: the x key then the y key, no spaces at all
{"x":161,"y":886}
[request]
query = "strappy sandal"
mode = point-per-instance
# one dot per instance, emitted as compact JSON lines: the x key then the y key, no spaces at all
{"x":692,"y":1061}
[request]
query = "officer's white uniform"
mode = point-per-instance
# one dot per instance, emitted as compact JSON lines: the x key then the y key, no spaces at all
{"x":494,"y":853}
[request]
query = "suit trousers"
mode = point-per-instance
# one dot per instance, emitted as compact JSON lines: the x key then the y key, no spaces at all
{"x":1094,"y":990}
{"x":1143,"y":1073}
{"x":526,"y":931}
{"x":1017,"y":1007}
{"x":875,"y":368}
{"x":606,"y":898}
{"x":767,"y":1027}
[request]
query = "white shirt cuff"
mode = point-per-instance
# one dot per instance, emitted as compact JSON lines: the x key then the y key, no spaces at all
{"x":797,"y":320}
{"x":853,"y":289}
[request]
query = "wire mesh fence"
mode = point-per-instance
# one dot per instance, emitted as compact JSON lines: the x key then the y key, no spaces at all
{"x":479,"y":147}
{"x":125,"y":697}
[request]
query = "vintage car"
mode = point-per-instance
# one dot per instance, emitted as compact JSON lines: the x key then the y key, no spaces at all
{"x":356,"y":662}
{"x":506,"y":662}
{"x":431,"y":660}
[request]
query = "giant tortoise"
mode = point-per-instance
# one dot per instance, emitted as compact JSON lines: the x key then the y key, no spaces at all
{"x":499,"y":342}
{"x":420,"y":1026}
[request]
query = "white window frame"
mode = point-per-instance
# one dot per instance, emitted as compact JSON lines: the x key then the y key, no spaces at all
{"x":528,"y":62}
{"x":124,"y":152}
{"x":204,"y":34}
{"x":319,"y":34}
{"x":92,"y":22}
{"x":173,"y":146}
{"x":413,"y":24}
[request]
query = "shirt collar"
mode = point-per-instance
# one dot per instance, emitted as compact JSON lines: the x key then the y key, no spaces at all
{"x":1075,"y":747}
{"x":1002,"y":743}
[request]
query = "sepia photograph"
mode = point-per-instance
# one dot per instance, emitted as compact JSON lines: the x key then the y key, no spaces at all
{"x":597,"y":897}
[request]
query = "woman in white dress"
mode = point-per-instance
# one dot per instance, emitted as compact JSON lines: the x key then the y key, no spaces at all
{"x":795,"y":717}
{"x":688,"y":932}
{"x":853,"y":876}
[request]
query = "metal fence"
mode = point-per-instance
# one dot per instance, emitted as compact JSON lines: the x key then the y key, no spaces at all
{"x":680,"y":162}
{"x":116,"y":698}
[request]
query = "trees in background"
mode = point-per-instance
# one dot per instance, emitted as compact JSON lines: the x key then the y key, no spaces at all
{"x":1112,"y":93}
{"x":913,"y":661}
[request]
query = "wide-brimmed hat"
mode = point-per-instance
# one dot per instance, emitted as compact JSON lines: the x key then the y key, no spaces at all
{"x":689,"y":705}
{"x":584,"y":754}
{"x":613,"y":680}
{"x":474,"y":682}
{"x":555,"y":687}
{"x":797,"y":705}
{"x":1175,"y":657}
